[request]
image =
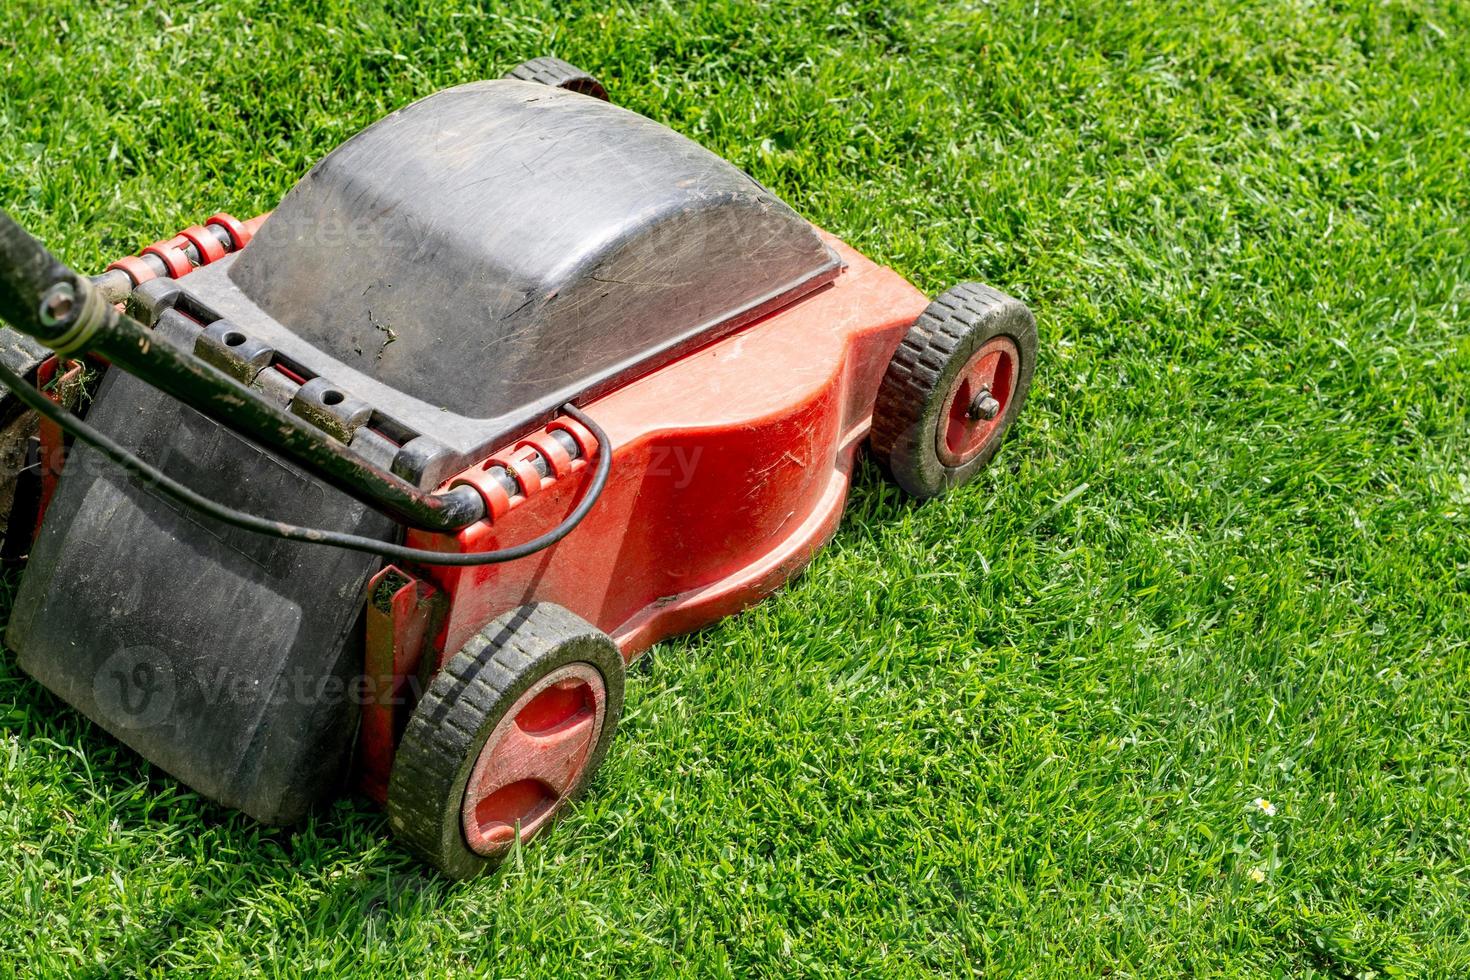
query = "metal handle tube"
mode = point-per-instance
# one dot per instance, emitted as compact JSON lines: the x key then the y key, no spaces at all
{"x":42,"y":297}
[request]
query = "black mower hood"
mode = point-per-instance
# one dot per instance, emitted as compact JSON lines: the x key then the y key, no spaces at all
{"x":499,"y":248}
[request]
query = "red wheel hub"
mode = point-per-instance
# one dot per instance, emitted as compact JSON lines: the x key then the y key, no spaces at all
{"x":977,"y":401}
{"x":535,"y":757}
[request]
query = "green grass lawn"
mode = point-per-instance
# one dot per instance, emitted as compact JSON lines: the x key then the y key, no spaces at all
{"x":1226,"y":555}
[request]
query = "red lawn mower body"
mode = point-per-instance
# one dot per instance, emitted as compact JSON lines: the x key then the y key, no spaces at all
{"x":731,"y":468}
{"x":428,"y":297}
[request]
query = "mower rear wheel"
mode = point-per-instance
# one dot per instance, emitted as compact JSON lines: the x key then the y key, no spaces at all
{"x":509,"y":731}
{"x":953,"y":387}
{"x":559,"y":74}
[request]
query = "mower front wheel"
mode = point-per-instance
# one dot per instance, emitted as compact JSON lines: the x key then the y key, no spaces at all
{"x":559,"y":74}
{"x":954,"y":386}
{"x":509,"y":731}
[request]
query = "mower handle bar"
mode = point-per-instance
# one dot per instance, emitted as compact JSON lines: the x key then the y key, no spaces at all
{"x":42,"y":297}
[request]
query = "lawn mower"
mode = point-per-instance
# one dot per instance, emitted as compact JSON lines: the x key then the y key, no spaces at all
{"x":386,"y":487}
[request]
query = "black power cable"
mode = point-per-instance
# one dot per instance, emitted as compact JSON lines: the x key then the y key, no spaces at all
{"x":114,"y":451}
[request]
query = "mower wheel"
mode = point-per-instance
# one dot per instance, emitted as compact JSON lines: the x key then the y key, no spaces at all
{"x":559,"y":74}
{"x":953,"y":387}
{"x":512,"y":728}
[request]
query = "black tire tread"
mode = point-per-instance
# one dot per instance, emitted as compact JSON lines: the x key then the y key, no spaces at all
{"x":459,"y":709}
{"x":915,"y":376}
{"x":559,"y":74}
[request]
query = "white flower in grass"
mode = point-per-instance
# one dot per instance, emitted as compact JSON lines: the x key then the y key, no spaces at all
{"x":1256,"y":875}
{"x":1265,"y":806}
